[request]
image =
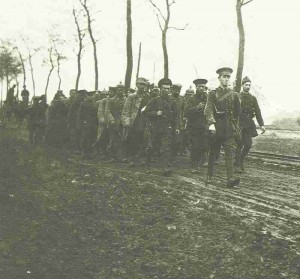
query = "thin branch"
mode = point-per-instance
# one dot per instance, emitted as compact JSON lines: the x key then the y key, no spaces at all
{"x":176,"y":28}
{"x":160,"y":26}
{"x":173,"y":2}
{"x":244,"y":3}
{"x":158,"y":9}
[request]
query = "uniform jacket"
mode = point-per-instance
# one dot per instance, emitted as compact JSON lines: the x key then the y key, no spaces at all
{"x":170,"y":117}
{"x":87,"y":114}
{"x":132,"y":106}
{"x":195,"y":114}
{"x":113,"y":111}
{"x":101,"y":115}
{"x":180,"y":102}
{"x":249,"y":110}
{"x":223,"y":112}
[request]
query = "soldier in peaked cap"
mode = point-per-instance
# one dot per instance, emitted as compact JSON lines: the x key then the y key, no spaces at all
{"x":134,"y":121}
{"x":222,"y":111}
{"x":196,"y":124}
{"x":164,"y":120}
{"x":249,"y":110}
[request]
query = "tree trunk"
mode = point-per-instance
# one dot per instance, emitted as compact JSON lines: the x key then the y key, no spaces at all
{"x":80,"y":38}
{"x":93,"y":41}
{"x":139,"y":61}
{"x":23,"y":66}
{"x":240,"y":66}
{"x":50,"y":72}
{"x":32,"y":76}
{"x":165,"y":52}
{"x":129,"y":47}
{"x":58,"y":71}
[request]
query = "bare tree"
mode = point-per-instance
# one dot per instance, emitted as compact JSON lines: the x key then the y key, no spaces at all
{"x":51,"y":62}
{"x":94,"y":42}
{"x":22,"y":60}
{"x":139,"y":61}
{"x":163,"y":22}
{"x":240,"y":66}
{"x":129,"y":46}
{"x":31,"y":54}
{"x":80,"y":36}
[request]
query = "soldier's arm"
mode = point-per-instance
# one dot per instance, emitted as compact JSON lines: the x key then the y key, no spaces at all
{"x":149,"y":110}
{"x":126,"y":111}
{"x":190,"y":108}
{"x":209,"y":110}
{"x":108,"y":115}
{"x":237,"y":107}
{"x":257,"y":112}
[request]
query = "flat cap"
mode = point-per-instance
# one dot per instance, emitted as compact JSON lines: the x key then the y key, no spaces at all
{"x":164,"y":81}
{"x":224,"y":70}
{"x":246,"y":79}
{"x":200,"y":81}
{"x":177,"y":86}
{"x":141,"y":80}
{"x":82,"y":91}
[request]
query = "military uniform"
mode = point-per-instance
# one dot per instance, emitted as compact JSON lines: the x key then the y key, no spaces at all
{"x":249,"y":110}
{"x":113,"y":114}
{"x":197,"y":126}
{"x":25,"y":97}
{"x":57,"y":132}
{"x":163,"y":126}
{"x":134,"y":122}
{"x":35,"y":118}
{"x":179,"y":101}
{"x":223,"y":109}
{"x":87,"y":124}
{"x":72,"y":118}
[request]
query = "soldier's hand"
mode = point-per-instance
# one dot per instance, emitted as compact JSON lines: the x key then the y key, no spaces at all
{"x":212,"y":128}
{"x":160,"y":112}
{"x":201,"y":106}
{"x":263,"y":129}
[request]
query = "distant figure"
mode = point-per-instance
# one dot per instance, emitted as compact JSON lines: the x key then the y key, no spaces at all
{"x":25,"y":96}
{"x":10,"y":97}
{"x":249,"y":110}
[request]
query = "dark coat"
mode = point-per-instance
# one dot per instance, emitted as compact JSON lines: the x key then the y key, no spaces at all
{"x":194,"y":113}
{"x":223,"y":112}
{"x":249,"y":110}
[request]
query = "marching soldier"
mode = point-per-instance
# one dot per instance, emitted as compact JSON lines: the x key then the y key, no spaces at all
{"x":222,"y":111}
{"x":103,"y":132}
{"x":179,"y":100}
{"x":72,"y":118}
{"x":196,"y":124}
{"x":249,"y":110}
{"x":57,"y":132}
{"x":164,"y":117}
{"x":113,"y":114}
{"x":87,"y":123}
{"x":134,"y":122}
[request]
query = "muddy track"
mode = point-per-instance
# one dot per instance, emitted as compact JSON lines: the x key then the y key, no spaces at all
{"x":264,"y":197}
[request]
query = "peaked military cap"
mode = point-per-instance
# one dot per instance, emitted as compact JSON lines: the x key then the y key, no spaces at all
{"x":177,"y":86}
{"x":141,"y":80}
{"x":200,"y":81}
{"x":82,"y":91}
{"x":246,"y":79}
{"x":112,"y":88}
{"x":190,"y":91}
{"x":224,"y":70}
{"x":164,"y":81}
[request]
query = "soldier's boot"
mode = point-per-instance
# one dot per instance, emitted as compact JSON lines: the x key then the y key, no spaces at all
{"x":229,"y":162}
{"x":244,"y":154}
{"x":210,"y":167}
{"x":238,"y":160}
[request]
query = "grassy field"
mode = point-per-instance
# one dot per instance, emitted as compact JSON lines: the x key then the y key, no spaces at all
{"x":64,"y":217}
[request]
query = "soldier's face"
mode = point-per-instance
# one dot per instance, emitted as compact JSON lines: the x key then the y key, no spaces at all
{"x":141,"y":86}
{"x":165,"y":90}
{"x":224,"y":79}
{"x":175,"y":92}
{"x":247,"y":86}
{"x":200,"y":88}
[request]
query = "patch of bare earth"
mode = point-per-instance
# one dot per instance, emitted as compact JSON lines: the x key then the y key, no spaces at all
{"x":64,"y":217}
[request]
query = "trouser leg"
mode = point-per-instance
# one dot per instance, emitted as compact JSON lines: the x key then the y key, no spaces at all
{"x":229,"y":148}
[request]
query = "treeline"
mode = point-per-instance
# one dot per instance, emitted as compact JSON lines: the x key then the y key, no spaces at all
{"x":15,"y":55}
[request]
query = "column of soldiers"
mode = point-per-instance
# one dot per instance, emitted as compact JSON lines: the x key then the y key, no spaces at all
{"x":157,"y":124}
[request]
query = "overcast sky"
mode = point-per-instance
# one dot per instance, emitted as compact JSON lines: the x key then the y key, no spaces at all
{"x":272,"y":55}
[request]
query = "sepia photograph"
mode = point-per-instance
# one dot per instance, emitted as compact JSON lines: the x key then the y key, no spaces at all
{"x":149,"y":139}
